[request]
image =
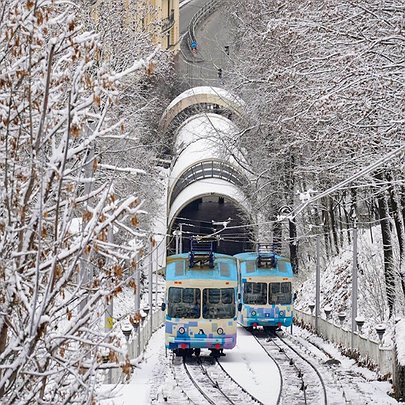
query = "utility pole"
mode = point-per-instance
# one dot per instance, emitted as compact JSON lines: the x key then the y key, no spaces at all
{"x":354,"y":279}
{"x":317,"y":285}
{"x":151,"y":240}
{"x":181,"y":238}
{"x":138,"y":298}
{"x":156,"y":276}
{"x":109,"y":308}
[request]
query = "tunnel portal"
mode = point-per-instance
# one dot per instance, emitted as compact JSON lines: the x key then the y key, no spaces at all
{"x":204,"y":216}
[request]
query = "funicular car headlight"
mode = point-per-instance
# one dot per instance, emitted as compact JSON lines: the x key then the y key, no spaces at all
{"x":181,"y":330}
{"x":220,"y":331}
{"x":281,"y":313}
{"x":253,"y":313}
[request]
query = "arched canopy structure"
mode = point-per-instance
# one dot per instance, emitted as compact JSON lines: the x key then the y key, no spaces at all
{"x":206,"y":169}
{"x":205,"y":146}
{"x":207,"y":182}
{"x":204,"y":95}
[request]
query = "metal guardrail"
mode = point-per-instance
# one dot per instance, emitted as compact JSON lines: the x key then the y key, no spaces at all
{"x":138,"y":341}
{"x":198,"y":17}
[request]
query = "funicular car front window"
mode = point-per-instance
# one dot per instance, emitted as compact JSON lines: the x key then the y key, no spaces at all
{"x":255,"y":293}
{"x":184,"y":302}
{"x":218,"y":303}
{"x":280,"y":293}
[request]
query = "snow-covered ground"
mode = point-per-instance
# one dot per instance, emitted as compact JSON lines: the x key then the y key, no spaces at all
{"x":248,"y":364}
{"x":251,"y":368}
{"x":145,"y":380}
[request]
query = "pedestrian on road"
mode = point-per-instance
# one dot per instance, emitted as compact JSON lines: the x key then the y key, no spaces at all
{"x":194,"y":46}
{"x":219,"y":73}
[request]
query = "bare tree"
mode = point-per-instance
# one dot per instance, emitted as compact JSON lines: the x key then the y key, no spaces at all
{"x":58,"y":264}
{"x":323,"y":82}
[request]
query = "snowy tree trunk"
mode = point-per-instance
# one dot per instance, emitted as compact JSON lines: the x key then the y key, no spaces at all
{"x":396,"y":212}
{"x":292,"y":227}
{"x":387,"y":249}
{"x":333,"y":225}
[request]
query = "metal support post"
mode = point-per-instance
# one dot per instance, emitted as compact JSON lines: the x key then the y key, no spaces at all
{"x":317,"y":285}
{"x":354,"y":282}
{"x":108,"y":325}
{"x":109,"y":309}
{"x":181,"y":238}
{"x":177,"y":235}
{"x":138,"y":298}
{"x":151,"y":240}
{"x":156,"y":276}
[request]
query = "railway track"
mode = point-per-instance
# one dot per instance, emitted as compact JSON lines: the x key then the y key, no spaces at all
{"x":301,"y":381}
{"x":346,"y":382}
{"x":211,"y":384}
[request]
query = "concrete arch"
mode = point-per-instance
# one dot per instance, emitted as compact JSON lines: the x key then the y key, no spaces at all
{"x":201,"y":95}
{"x":207,"y":187}
{"x":206,"y":169}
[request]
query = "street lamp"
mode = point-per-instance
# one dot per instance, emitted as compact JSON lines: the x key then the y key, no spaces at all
{"x":360,"y":322}
{"x":327,"y":310}
{"x":177,"y":235}
{"x":126,"y":330}
{"x":105,"y":354}
{"x":342,"y":317}
{"x":380,"y":329}
{"x":354,"y":274}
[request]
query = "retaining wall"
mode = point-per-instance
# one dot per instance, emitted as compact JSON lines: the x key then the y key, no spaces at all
{"x":370,"y":351}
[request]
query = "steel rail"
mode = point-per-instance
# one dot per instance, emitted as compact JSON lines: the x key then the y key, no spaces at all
{"x":292,"y":363}
{"x":325,"y":397}
{"x":214,"y":383}
{"x":195,"y":383}
{"x":242,"y":389}
{"x":176,"y":379}
{"x":278,"y":367}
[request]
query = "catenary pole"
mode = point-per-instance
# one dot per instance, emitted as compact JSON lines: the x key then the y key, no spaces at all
{"x":138,"y":298}
{"x":151,"y":240}
{"x":317,"y":285}
{"x":354,"y":281}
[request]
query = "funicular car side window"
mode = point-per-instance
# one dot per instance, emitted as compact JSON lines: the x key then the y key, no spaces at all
{"x":218,"y":303}
{"x":184,"y":302}
{"x":255,"y":293}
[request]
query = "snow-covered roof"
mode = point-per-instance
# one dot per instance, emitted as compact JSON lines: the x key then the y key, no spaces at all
{"x":215,"y":91}
{"x":203,"y":137}
{"x":205,"y":125}
{"x":200,"y":95}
